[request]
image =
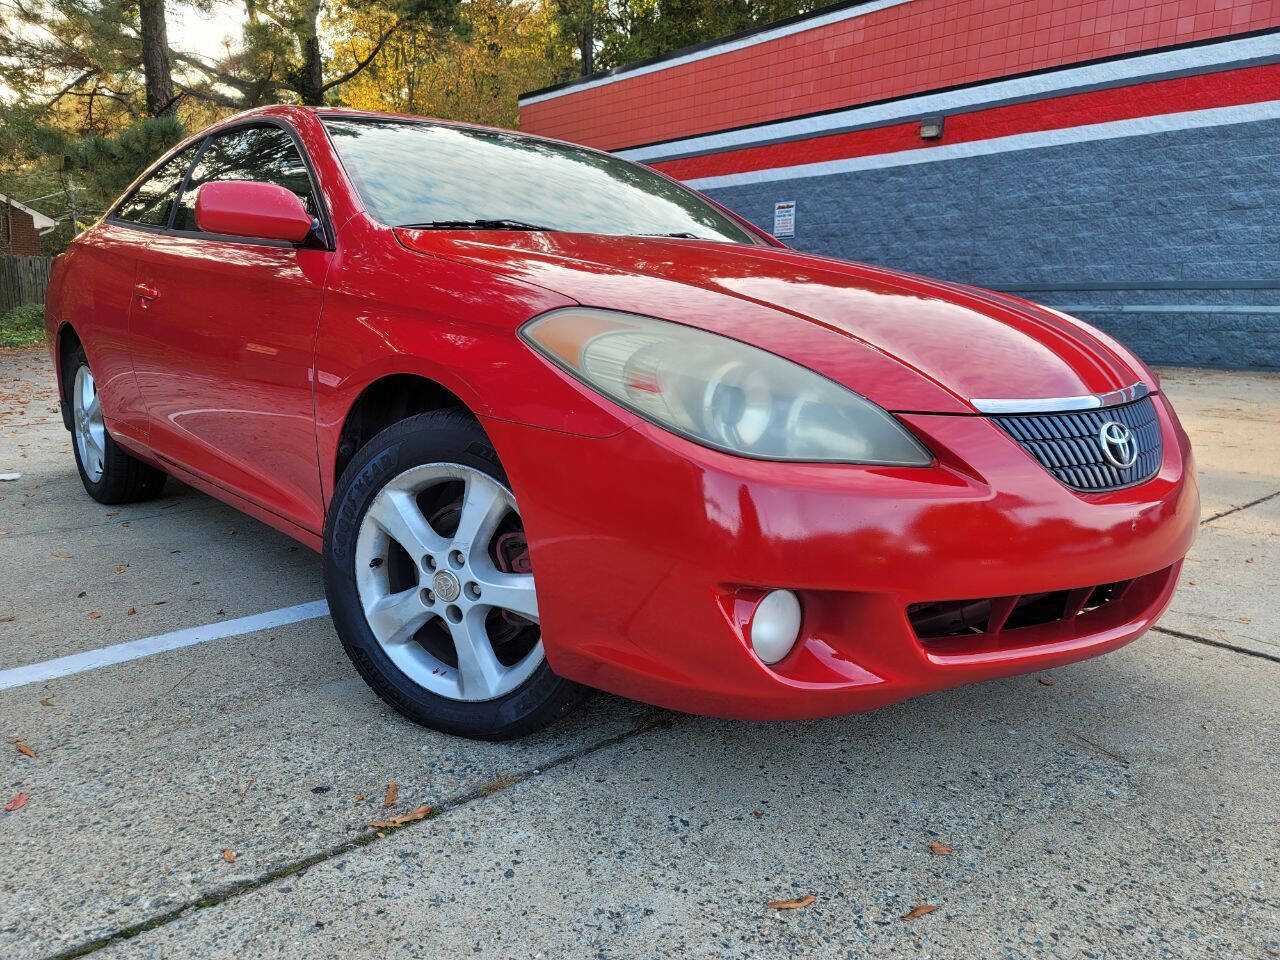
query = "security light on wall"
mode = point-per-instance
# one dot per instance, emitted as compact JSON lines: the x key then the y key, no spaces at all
{"x":931,"y":128}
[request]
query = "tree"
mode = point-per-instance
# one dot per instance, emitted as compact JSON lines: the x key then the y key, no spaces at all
{"x":284,"y":53}
{"x":154,"y":35}
{"x":474,"y":72}
{"x":640,"y":29}
{"x":581,"y":20}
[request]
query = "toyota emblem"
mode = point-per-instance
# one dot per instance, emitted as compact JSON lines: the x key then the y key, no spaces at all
{"x":1118,"y":447}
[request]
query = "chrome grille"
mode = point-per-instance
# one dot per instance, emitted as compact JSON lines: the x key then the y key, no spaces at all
{"x":1069,"y":446}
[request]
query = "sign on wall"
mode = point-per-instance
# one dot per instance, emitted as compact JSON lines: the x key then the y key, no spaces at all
{"x":784,"y":218}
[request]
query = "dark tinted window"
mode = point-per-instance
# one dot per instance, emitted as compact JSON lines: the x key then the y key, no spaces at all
{"x":266,"y":154}
{"x":151,"y":201}
{"x":423,"y":172}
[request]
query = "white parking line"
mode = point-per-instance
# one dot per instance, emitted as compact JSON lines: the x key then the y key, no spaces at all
{"x":145,"y":647}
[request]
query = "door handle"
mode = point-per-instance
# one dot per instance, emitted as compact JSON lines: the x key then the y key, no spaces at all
{"x":146,"y":291}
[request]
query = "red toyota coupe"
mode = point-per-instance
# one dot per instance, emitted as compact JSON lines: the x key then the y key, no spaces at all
{"x":558,"y":422}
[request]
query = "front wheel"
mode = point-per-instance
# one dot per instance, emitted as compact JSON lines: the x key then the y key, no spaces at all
{"x":430,"y":585}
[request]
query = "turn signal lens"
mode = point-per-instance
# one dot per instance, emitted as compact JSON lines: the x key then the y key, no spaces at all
{"x":720,"y":392}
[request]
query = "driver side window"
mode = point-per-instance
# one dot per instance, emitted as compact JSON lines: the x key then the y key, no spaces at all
{"x":265,"y":154}
{"x":151,"y":202}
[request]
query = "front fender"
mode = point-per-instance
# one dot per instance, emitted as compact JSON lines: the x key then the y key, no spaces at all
{"x":391,"y":311}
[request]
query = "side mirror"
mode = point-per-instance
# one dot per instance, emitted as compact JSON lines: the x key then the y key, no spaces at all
{"x":246,"y":208}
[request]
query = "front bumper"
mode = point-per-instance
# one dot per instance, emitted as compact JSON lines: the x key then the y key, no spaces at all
{"x":644,"y":544}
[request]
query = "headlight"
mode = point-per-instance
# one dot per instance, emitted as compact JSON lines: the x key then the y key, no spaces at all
{"x":720,"y":392}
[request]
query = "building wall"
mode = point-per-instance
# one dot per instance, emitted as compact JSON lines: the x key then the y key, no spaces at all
{"x":18,"y":235}
{"x":1139,"y":191}
{"x":858,"y":53}
{"x":1129,"y":234}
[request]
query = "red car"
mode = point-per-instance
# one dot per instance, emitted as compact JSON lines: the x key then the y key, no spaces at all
{"x":558,"y":422}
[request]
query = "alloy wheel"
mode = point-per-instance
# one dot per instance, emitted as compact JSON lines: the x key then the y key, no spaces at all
{"x":441,"y":568}
{"x":90,"y":430}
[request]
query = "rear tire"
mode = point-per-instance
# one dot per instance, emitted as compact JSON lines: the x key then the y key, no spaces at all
{"x":109,"y":474}
{"x":429,"y":586}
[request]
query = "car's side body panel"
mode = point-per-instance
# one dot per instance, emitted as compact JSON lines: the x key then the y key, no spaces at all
{"x":92,"y":290}
{"x":391,"y":311}
{"x":223,"y":357}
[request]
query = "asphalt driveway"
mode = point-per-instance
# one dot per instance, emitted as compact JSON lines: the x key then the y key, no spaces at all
{"x":215,"y":798}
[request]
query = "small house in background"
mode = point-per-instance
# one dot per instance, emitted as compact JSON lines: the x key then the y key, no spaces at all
{"x":1116,"y":159}
{"x":21,"y":228}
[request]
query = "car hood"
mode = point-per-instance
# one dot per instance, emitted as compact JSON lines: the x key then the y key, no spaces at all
{"x":905,"y":342}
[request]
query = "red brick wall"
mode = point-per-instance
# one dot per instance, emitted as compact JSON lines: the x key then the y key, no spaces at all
{"x":905,"y":49}
{"x":18,"y":236}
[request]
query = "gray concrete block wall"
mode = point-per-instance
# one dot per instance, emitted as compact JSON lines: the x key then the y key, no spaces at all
{"x":1195,"y":210}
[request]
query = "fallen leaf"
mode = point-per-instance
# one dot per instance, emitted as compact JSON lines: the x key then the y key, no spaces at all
{"x":1249,"y":560}
{"x":358,"y":798}
{"x":757,"y":814}
{"x":804,"y":901}
{"x":918,"y":912}
{"x":6,"y":619}
{"x":61,"y":555}
{"x":94,"y":615}
{"x":1046,"y":682}
{"x":113,"y":513}
{"x":19,"y":800}
{"x":25,"y":750}
{"x":131,"y":611}
{"x":379,"y":834}
{"x":940,"y":849}
{"x":229,"y":856}
{"x":413,"y":816}
{"x":47,"y":702}
{"x":121,"y":569}
{"x":393,"y":795}
{"x":1246,"y":619}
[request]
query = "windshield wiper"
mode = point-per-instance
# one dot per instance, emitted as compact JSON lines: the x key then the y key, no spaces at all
{"x":678,"y":236}
{"x":499,"y":224}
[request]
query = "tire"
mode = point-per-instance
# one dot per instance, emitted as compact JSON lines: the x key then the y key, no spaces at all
{"x":109,"y":474}
{"x":449,"y":640}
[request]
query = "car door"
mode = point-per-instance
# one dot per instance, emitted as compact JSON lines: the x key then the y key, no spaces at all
{"x":223,"y":332}
{"x":98,"y":295}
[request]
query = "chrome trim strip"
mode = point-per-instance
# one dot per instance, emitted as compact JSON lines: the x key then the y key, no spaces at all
{"x":1090,"y":401}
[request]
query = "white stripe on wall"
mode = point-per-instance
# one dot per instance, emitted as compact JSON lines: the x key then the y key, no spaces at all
{"x":1172,"y":308}
{"x":147,"y":646}
{"x":1190,"y":120}
{"x":1057,"y":82}
{"x":751,"y":41}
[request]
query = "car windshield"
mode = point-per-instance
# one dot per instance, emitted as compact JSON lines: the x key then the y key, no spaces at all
{"x":438,"y":176}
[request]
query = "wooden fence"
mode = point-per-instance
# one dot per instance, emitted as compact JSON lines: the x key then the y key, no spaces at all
{"x":22,"y":280}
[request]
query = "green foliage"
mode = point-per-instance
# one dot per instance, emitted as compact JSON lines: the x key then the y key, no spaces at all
{"x":75,"y":119}
{"x":110,"y":163}
{"x":22,"y":326}
{"x":640,"y":29}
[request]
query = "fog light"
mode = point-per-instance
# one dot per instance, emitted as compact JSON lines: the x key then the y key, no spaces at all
{"x":775,"y":625}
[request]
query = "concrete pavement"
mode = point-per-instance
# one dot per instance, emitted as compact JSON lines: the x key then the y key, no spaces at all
{"x":1126,"y":808}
